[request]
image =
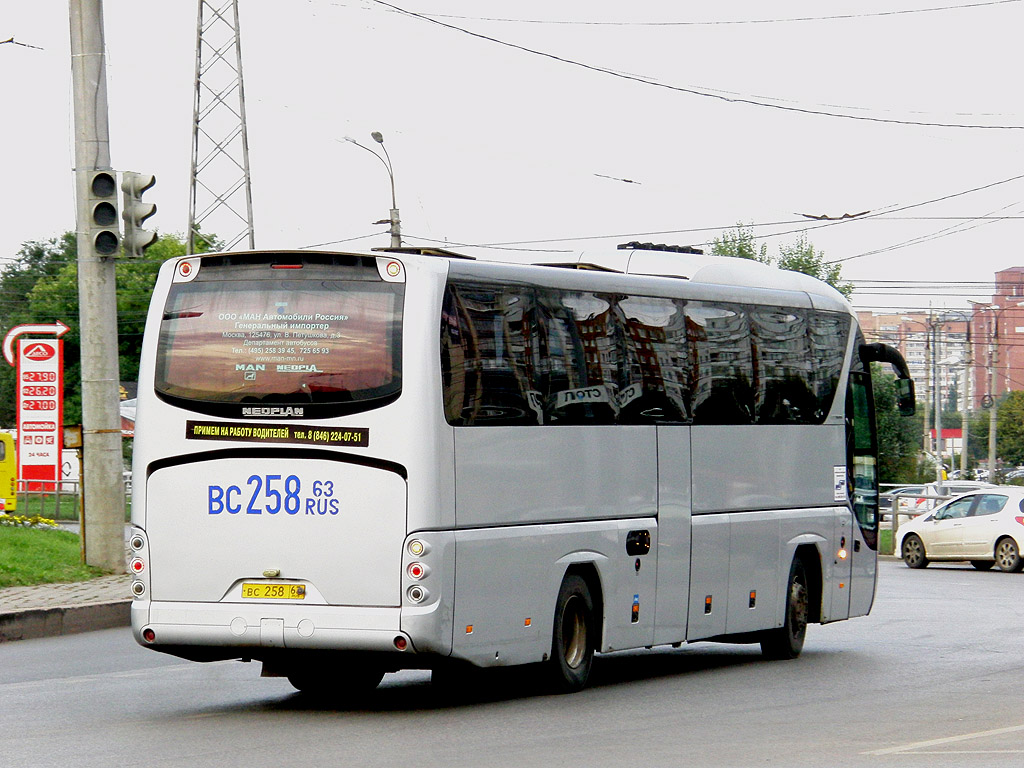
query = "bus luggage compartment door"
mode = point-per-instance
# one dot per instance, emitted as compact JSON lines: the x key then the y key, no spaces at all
{"x":335,"y":526}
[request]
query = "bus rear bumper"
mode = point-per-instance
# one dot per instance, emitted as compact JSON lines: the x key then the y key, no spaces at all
{"x":168,"y":625}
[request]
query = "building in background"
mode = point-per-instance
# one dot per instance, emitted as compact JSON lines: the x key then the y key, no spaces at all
{"x":997,"y":339}
{"x":929,"y":347}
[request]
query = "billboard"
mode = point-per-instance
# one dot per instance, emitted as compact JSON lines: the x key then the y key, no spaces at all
{"x":40,"y":410}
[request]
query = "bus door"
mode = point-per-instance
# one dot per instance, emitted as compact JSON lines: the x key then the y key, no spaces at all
{"x":862,"y":487}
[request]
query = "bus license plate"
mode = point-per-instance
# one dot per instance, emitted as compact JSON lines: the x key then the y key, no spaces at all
{"x":274,"y":591}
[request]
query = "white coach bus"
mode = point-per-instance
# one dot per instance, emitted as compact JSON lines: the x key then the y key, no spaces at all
{"x":348,"y":464}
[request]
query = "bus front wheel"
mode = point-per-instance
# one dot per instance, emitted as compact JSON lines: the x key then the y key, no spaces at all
{"x":787,"y":641}
{"x":574,"y":636}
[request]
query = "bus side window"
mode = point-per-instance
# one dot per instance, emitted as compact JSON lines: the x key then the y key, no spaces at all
{"x":654,"y":385}
{"x":782,"y":358}
{"x":829,"y":335}
{"x":719,"y":334}
{"x":580,"y":352}
{"x":486,"y":343}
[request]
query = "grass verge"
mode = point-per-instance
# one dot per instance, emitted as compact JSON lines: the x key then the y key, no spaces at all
{"x":41,"y":556}
{"x":885,"y":541}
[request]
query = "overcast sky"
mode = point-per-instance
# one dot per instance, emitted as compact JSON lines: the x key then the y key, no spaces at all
{"x":567,"y":126}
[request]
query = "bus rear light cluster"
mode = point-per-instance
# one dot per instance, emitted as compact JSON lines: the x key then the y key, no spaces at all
{"x":149,"y":635}
{"x":138,"y":565}
{"x":417,"y":571}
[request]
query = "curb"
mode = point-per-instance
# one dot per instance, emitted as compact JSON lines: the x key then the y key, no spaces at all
{"x":50,"y":622}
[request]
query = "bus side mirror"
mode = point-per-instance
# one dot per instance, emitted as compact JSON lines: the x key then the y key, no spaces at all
{"x":905,"y":396}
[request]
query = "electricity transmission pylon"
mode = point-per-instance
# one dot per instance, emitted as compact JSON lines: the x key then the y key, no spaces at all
{"x":221,"y":194}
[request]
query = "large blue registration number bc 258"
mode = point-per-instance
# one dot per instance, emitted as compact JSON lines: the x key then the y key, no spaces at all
{"x":273,"y":494}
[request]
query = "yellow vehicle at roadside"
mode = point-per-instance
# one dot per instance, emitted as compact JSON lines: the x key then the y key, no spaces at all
{"x":8,"y":474}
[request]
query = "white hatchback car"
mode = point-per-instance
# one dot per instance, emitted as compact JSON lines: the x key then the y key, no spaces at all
{"x":985,"y":527}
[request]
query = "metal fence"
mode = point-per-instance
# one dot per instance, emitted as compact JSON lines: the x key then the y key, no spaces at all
{"x":922,"y":503}
{"x":56,"y":499}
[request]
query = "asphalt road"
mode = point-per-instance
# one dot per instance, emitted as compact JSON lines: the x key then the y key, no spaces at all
{"x":932,"y":678}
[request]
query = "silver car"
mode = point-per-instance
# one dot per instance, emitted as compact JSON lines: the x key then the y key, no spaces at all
{"x":985,"y":527}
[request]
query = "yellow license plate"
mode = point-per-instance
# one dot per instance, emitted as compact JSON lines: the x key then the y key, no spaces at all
{"x":269,"y":591}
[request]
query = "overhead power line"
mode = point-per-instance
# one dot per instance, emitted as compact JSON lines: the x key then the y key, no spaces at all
{"x":12,"y":41}
{"x":723,"y":22}
{"x":693,"y":91}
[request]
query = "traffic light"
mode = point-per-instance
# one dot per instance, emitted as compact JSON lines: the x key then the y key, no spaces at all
{"x":137,"y":239}
{"x":103,"y":230}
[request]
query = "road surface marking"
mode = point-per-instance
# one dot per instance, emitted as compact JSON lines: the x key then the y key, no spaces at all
{"x":948,"y":740}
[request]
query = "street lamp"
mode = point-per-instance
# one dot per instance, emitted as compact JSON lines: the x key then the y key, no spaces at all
{"x":394,"y":221}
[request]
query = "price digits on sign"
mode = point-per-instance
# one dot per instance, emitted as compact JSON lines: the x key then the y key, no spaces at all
{"x":36,"y":376}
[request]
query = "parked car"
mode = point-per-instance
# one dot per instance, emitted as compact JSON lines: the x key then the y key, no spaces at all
{"x":985,"y":527}
{"x":904,"y":493}
{"x":929,"y":495}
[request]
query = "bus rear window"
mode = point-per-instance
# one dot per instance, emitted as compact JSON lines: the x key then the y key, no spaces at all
{"x":324,"y":338}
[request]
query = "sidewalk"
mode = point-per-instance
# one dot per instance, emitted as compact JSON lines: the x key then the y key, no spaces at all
{"x":46,"y":610}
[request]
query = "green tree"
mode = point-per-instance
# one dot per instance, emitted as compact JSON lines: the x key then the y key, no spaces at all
{"x":740,"y":244}
{"x":45,"y":275}
{"x":899,"y":437}
{"x":802,"y":256}
{"x":1010,"y":429}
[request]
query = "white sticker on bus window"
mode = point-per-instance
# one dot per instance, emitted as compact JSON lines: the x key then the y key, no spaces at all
{"x":839,"y":483}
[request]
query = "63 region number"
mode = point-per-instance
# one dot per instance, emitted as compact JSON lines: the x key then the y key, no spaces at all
{"x":271,"y":495}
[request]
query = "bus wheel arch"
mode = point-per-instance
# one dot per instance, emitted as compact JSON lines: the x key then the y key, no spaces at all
{"x":811,"y":559}
{"x":576,"y":629}
{"x":802,"y":605}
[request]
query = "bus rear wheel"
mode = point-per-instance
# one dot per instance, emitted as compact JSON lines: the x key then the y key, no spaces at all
{"x":574,"y":636}
{"x":787,"y":641}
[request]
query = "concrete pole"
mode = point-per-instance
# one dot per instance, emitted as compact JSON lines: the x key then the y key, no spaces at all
{"x":993,"y":412}
{"x":993,"y":422}
{"x":936,"y":352}
{"x":965,"y":417}
{"x":928,"y":382}
{"x":97,"y":302}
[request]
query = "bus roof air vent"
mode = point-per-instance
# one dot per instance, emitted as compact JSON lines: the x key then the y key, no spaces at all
{"x":638,"y":246}
{"x":582,"y":265}
{"x":440,"y":252}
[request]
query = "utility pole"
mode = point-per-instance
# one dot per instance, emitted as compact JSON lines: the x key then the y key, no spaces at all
{"x":928,"y":381}
{"x":98,"y":239}
{"x":936,"y":352}
{"x":965,"y":420}
{"x":993,"y":412}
